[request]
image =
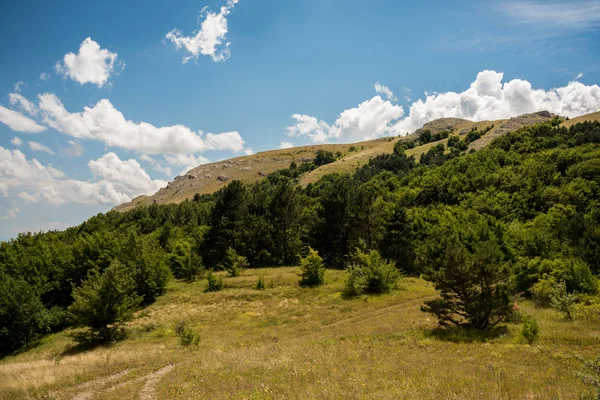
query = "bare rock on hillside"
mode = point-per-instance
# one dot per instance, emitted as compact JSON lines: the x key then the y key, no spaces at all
{"x":512,"y":125}
{"x":223,"y":178}
{"x":441,"y":124}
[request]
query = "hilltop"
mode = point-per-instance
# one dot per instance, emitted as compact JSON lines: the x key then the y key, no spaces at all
{"x":208,"y":178}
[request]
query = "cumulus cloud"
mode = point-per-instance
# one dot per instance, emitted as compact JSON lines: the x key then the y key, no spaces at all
{"x":285,"y":145}
{"x":105,"y":123}
{"x":187,"y":161}
{"x":91,"y":65}
{"x":117,"y":181}
{"x":44,"y":76}
{"x":35,"y":146}
{"x":384,"y":91}
{"x":156,"y":165}
{"x":19,"y":122}
{"x":16,"y":141}
{"x":208,"y":41}
{"x":26,"y":106}
{"x":487,"y":98}
{"x":75,"y":149}
{"x":371,"y":119}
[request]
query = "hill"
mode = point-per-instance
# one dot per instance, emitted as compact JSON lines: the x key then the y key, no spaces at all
{"x":208,"y":178}
{"x":500,"y":295}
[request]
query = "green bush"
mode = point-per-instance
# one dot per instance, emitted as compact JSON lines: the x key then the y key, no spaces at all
{"x":371,"y":273}
{"x":184,"y":262}
{"x":260,"y":283}
{"x":234,"y":263}
{"x":563,"y":301}
{"x":215,"y":282}
{"x":530,"y":329}
{"x":590,"y":376}
{"x":104,"y":302}
{"x":186,"y":335}
{"x":543,"y":291}
{"x":312,"y":269}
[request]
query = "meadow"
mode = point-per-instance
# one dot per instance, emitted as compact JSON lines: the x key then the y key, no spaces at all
{"x":288,"y":342}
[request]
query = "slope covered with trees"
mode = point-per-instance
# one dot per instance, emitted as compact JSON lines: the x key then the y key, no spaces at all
{"x":482,"y":226}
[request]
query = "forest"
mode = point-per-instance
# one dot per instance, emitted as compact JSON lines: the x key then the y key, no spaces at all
{"x":520,"y":217}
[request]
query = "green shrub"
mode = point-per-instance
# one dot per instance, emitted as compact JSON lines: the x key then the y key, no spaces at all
{"x":563,"y":301}
{"x":186,"y":335}
{"x":312,"y":269}
{"x":543,"y":291}
{"x":234,"y":263}
{"x":530,"y":329}
{"x":215,"y":282}
{"x":371,"y":273}
{"x":104,"y":302}
{"x":184,"y":262}
{"x":590,"y":376}
{"x":260,"y":283}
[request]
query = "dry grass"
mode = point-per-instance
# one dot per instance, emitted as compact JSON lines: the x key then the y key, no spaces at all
{"x":289,"y":342}
{"x":588,"y":117}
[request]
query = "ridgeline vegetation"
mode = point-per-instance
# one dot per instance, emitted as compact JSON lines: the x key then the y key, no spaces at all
{"x":519,"y":218}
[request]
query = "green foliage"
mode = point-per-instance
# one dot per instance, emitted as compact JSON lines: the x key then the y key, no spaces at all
{"x":323,"y":157}
{"x":544,"y":291}
{"x":425,"y":136}
{"x":370,"y":274}
{"x":183,"y":262}
{"x":464,"y":259}
{"x":234,"y":263}
{"x":312,"y":269}
{"x":590,"y":376}
{"x":23,"y":317}
{"x":104,"y":302}
{"x":260,"y":283}
{"x":530,"y":329}
{"x":215,"y":282}
{"x":563,"y":301}
{"x":187,"y":336}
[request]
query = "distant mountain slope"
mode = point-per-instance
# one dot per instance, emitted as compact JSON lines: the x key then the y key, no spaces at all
{"x":208,"y":178}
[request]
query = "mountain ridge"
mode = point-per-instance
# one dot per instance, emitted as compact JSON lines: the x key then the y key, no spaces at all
{"x":210,"y":177}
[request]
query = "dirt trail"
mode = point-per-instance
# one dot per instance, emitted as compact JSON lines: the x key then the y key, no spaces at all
{"x":91,"y":387}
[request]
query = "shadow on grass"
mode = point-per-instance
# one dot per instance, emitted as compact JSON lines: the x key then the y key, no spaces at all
{"x":461,"y":334}
{"x":86,"y":341}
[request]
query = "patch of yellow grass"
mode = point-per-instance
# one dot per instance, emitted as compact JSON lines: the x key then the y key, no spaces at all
{"x":290,"y":342}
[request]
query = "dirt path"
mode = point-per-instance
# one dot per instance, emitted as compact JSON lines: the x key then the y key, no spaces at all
{"x":148,"y":391}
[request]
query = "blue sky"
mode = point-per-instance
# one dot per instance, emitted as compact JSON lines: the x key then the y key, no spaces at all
{"x":97,"y":121}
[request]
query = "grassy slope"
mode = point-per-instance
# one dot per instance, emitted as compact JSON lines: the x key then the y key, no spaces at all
{"x":249,"y":168}
{"x":288,"y":342}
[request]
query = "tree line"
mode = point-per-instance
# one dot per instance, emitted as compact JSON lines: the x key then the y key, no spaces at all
{"x":482,"y":226}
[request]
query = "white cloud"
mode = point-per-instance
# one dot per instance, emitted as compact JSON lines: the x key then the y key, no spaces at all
{"x":209,"y":39}
{"x":16,"y":99}
{"x":75,"y":149}
{"x":487,"y":98}
{"x":370,"y":119}
{"x":579,"y":76}
{"x":35,"y":146}
{"x":566,"y":14}
{"x":105,"y":123}
{"x":116,"y":181}
{"x":187,"y":161}
{"x":490,"y":99}
{"x":385,"y":91}
{"x":91,"y":65}
{"x":44,"y":76}
{"x":17,"y":86}
{"x":12,"y":213}
{"x":156,"y":165}
{"x":18,"y":122}
{"x":285,"y":145}
{"x":16,"y":141}
{"x":248,"y":151}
